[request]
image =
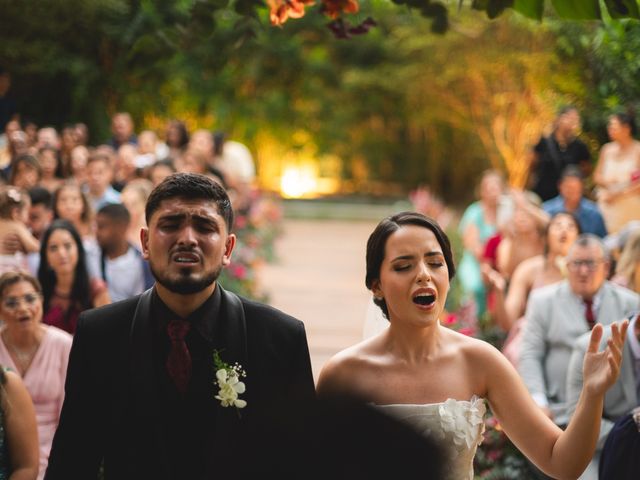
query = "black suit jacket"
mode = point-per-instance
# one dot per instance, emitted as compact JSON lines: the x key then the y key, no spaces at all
{"x":110,"y":413}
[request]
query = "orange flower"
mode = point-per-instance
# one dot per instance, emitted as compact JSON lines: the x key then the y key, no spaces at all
{"x":333,"y":8}
{"x":282,"y":10}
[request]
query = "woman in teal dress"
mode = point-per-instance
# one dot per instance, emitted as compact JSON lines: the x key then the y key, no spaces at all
{"x":18,"y":433}
{"x":477,"y":225}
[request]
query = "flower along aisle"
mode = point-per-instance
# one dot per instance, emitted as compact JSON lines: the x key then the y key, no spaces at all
{"x":257,"y":225}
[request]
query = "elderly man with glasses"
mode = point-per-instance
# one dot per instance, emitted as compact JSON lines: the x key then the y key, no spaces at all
{"x":558,"y":314}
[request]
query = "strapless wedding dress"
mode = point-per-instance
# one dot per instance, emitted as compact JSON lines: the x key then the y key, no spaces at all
{"x":455,"y":425}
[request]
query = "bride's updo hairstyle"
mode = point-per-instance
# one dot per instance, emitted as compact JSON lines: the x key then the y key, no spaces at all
{"x":378,"y":240}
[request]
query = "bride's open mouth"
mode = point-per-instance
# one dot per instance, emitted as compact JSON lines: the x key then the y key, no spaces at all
{"x":425,"y":297}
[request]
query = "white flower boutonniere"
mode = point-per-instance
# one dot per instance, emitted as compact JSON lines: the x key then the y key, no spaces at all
{"x":228,"y":380}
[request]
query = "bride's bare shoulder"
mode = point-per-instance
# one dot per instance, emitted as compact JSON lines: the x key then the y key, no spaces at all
{"x":339,"y":375}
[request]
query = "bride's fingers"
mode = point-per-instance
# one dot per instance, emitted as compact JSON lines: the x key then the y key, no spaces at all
{"x":594,"y":340}
{"x":614,"y":349}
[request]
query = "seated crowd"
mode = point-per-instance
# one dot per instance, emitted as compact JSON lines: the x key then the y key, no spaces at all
{"x":547,"y":271}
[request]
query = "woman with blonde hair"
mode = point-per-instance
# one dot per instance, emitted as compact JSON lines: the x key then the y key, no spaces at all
{"x":628,"y":266}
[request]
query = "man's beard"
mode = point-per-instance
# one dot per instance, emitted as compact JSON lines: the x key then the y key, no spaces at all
{"x":186,"y":285}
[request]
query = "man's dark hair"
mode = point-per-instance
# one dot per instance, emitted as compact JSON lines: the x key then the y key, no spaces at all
{"x":566,"y":109}
{"x":376,"y":246}
{"x":190,"y":186}
{"x":571,"y":171}
{"x":116,"y":212}
{"x":41,"y":196}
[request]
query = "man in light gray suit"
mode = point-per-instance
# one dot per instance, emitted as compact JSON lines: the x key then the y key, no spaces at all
{"x":621,"y":398}
{"x":559,"y":313}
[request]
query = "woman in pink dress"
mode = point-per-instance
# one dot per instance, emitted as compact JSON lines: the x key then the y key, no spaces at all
{"x":38,"y":353}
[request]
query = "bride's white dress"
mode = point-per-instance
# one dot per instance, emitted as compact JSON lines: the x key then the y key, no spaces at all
{"x":455,"y":425}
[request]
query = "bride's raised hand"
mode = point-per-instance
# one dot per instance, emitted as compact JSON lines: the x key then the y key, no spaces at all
{"x":601,"y":368}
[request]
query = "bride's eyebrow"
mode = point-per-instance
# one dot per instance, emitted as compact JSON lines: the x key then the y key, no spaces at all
{"x":403,"y":257}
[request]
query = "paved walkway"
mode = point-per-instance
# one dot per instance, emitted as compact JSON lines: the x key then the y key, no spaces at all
{"x":319,"y":278}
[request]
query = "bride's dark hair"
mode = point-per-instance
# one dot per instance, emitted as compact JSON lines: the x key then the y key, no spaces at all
{"x":378,"y":241}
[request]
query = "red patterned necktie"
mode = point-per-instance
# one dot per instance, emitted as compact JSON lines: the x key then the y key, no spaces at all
{"x":179,"y":359}
{"x":589,"y":316}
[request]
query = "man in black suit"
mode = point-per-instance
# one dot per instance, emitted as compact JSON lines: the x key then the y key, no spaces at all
{"x":144,"y":396}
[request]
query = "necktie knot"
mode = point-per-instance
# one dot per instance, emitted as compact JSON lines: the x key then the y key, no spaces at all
{"x":178,"y":329}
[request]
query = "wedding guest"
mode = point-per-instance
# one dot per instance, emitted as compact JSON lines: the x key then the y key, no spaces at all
{"x":67,"y":287}
{"x":628,"y":266}
{"x":48,"y":137}
{"x":621,"y":398}
{"x":559,"y":313}
{"x":191,"y":161}
{"x":15,"y":239}
{"x":134,"y":197}
{"x":38,"y":353}
{"x":176,"y":138}
{"x":478,"y":223}
{"x":555,"y":152}
{"x":123,"y":269}
{"x":19,"y":458}
{"x":571,"y":199}
{"x":40,"y":211}
{"x":70,"y":203}
{"x":125,"y":168}
{"x":620,"y":458}
{"x":159,"y":171}
{"x":522,"y":234}
{"x":50,"y":168}
{"x":150,"y":149}
{"x":617,"y":174}
{"x":122,"y":130}
{"x":536,"y":272}
{"x":201,"y":141}
{"x":437,"y":379}
{"x":77,"y":168}
{"x":25,"y":172}
{"x":68,"y":143}
{"x":82,"y":134}
{"x":7,"y":150}
{"x":40,"y":217}
{"x":99,"y":175}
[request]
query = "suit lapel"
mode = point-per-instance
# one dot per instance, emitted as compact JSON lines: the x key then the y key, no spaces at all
{"x":145,"y":406}
{"x":231,"y":340}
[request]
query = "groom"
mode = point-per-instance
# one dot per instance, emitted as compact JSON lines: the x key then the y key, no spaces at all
{"x":144,"y":394}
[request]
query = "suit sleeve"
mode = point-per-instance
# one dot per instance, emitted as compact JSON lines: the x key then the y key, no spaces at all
{"x":77,"y":449}
{"x":533,"y":349}
{"x":303,"y":384}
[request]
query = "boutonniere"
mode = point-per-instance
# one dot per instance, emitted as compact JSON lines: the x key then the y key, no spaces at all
{"x":228,"y":381}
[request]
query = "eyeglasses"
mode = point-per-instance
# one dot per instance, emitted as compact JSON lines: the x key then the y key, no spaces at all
{"x":11,"y":303}
{"x":590,"y":265}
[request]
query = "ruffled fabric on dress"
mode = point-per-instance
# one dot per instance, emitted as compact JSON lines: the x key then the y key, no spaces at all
{"x":457,"y":425}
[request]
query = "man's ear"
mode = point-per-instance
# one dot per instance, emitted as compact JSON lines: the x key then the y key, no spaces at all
{"x":144,"y":242}
{"x":228,"y":249}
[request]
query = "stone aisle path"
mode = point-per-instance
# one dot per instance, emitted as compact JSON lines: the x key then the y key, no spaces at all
{"x":319,"y":278}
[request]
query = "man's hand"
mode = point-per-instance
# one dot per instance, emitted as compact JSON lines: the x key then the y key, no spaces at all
{"x":11,"y":243}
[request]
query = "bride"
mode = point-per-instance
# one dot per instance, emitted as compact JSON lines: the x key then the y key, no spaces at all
{"x":438,"y":380}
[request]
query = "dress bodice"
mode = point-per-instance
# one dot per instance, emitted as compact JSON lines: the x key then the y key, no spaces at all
{"x":456,"y":425}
